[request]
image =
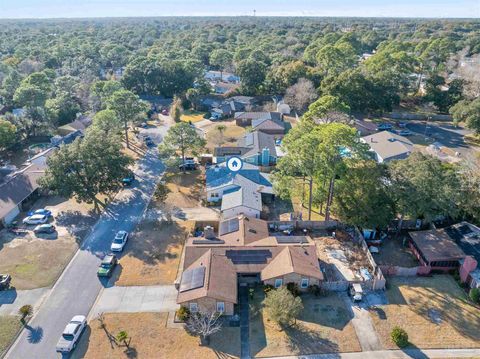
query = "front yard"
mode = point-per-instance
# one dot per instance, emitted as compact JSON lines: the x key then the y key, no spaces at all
{"x":227,"y":137}
{"x":433,"y":310}
{"x":323,"y":327}
{"x":35,"y":262}
{"x":192,"y":116}
{"x":9,"y":326}
{"x":152,"y":339}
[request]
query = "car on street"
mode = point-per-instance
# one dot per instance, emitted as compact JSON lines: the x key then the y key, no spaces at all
{"x":71,"y":334}
{"x":119,"y":241}
{"x":36,"y":219}
{"x":44,"y":228}
{"x":402,"y":124}
{"x":44,"y":211}
{"x":384,"y":127}
{"x":148,"y":141}
{"x":128,"y":179}
{"x":405,"y":133}
{"x":107,"y":266}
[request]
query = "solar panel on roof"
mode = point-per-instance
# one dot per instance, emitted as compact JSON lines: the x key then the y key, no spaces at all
{"x":464,"y":229}
{"x":255,"y":256}
{"x":192,"y":279}
{"x":453,"y":233}
{"x":228,"y":226}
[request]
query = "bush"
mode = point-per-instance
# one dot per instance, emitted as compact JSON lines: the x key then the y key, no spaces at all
{"x":315,"y":290}
{"x":183,"y":313}
{"x":293,"y":288}
{"x":267,"y":288}
{"x":474,"y":295}
{"x":399,"y":337}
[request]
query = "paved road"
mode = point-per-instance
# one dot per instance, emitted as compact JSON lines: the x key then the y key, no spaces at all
{"x":78,"y":287}
{"x":153,"y":298}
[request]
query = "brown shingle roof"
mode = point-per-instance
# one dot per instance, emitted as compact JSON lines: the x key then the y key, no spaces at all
{"x":436,"y":245}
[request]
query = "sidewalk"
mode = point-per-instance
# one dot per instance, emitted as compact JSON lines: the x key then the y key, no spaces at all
{"x":158,"y":298}
{"x":11,"y":300}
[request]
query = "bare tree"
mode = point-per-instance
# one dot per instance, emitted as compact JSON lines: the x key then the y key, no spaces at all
{"x":203,"y":324}
{"x":466,"y":68}
{"x":300,"y":95}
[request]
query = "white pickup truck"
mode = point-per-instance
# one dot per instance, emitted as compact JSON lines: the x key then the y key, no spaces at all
{"x":71,"y":334}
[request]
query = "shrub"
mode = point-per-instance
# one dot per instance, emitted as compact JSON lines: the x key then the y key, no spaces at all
{"x":183,"y":313}
{"x":315,"y":290}
{"x":399,"y":337}
{"x":293,"y":288}
{"x":474,"y":295}
{"x":267,"y":288}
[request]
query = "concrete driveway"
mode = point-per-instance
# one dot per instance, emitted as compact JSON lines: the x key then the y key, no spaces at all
{"x":156,"y":298}
{"x":77,"y":288}
{"x":11,"y":300}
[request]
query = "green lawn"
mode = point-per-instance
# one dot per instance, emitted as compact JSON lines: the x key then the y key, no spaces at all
{"x":192,"y":116}
{"x":9,"y":326}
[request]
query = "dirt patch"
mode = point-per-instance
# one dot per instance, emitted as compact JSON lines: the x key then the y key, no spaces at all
{"x":395,"y":252}
{"x":151,"y":339}
{"x":186,"y":189}
{"x":9,"y":326}
{"x":153,"y":253}
{"x":433,"y":310}
{"x":323,"y":327}
{"x":228,"y":137}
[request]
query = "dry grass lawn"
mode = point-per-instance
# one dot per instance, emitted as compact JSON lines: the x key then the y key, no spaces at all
{"x":228,"y":137}
{"x":192,"y":116}
{"x":433,"y":310}
{"x":186,"y":189}
{"x":323,"y":327}
{"x":153,"y":253}
{"x":152,"y":340}
{"x":36,"y":262}
{"x":9,"y":326}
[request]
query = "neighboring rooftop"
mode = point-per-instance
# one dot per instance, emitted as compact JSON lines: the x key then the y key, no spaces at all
{"x":256,"y":141}
{"x":246,"y":196}
{"x":436,"y":245}
{"x":266,"y":124}
{"x":258,"y":116}
{"x":388,"y":145}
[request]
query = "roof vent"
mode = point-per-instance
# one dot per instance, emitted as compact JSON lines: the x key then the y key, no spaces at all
{"x":391,"y":139}
{"x":251,"y":230}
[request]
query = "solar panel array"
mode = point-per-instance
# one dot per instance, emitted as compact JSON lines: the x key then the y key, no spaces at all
{"x":192,"y":279}
{"x":254,"y":256}
{"x":207,"y":241}
{"x":291,"y":239}
{"x":454,"y":233}
{"x":228,"y":226}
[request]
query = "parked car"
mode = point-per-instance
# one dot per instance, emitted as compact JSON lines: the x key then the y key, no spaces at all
{"x":128,"y":179}
{"x":107,"y":266}
{"x":384,"y":127}
{"x":44,"y":211}
{"x":188,"y":166}
{"x":402,"y":124}
{"x":71,"y":334}
{"x":44,"y":228}
{"x":148,"y":141}
{"x":5,"y":280}
{"x":119,"y":241}
{"x":356,"y":292}
{"x":144,"y":125}
{"x":36,"y":219}
{"x":405,"y":133}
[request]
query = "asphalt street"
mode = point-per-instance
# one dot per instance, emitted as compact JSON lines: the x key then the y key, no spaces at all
{"x":76,"y":290}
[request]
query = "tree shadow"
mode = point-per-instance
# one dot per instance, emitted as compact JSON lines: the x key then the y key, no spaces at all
{"x":35,"y":334}
{"x":82,"y":345}
{"x":302,"y":340}
{"x":325,"y":311}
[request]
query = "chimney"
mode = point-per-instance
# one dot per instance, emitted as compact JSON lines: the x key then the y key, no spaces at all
{"x":209,"y":232}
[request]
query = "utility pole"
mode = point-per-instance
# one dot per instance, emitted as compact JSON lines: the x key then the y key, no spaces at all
{"x":254,"y":12}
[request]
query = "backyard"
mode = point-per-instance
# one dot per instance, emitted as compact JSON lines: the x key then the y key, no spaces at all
{"x":394,"y":251}
{"x":228,"y":137}
{"x":35,"y":262}
{"x":434,"y":311}
{"x":323,"y":327}
{"x":151,"y":338}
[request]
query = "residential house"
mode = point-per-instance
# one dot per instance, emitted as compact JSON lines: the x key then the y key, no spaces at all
{"x":222,"y":76}
{"x":18,"y":187}
{"x":245,"y":119}
{"x":224,"y":87}
{"x":270,"y":126}
{"x":79,"y":124}
{"x":387,"y":146}
{"x":243,"y":252}
{"x":242,"y":200}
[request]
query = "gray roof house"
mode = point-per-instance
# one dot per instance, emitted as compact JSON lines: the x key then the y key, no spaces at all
{"x":242,"y":200}
{"x":246,"y":118}
{"x":387,"y":146}
{"x":270,"y":126}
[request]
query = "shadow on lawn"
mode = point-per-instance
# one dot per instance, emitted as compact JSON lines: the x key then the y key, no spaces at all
{"x":305,"y":341}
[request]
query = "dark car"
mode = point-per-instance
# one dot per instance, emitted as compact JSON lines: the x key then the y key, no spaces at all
{"x":107,"y":266}
{"x":5,"y":280}
{"x":128,"y":179}
{"x":188,"y":166}
{"x":44,"y":228}
{"x":384,"y":127}
{"x":148,"y":141}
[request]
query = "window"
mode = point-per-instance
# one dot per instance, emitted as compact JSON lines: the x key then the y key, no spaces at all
{"x":193,"y":307}
{"x":304,"y":283}
{"x":278,"y":282}
{"x":220,"y":307}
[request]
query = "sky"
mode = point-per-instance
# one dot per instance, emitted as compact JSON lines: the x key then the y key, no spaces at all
{"x":130,"y":8}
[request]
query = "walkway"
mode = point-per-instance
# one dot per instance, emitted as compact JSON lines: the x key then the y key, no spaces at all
{"x":362,"y":323}
{"x":395,"y":354}
{"x":11,"y":300}
{"x":157,"y":298}
{"x":244,"y":323}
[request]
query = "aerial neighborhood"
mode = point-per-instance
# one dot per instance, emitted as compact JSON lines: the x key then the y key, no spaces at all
{"x":240,"y":187}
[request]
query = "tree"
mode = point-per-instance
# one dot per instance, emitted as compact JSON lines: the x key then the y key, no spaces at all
{"x":176,"y":109}
{"x":399,"y":336}
{"x":7,"y":134}
{"x":423,"y":187}
{"x":252,"y":74}
{"x":468,"y":112}
{"x":221,"y":129}
{"x":327,"y":109}
{"x":25,"y":311}
{"x":181,"y":137}
{"x":88,"y":167}
{"x":362,"y":196}
{"x":282,"y":306}
{"x":203,"y":325}
{"x":122,"y":336}
{"x":62,"y":109}
{"x":333,"y":59}
{"x":301,"y":94}
{"x":107,"y":121}
{"x":474,"y":295}
{"x":128,"y":107}
{"x":222,"y":59}
{"x":468,"y":175}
